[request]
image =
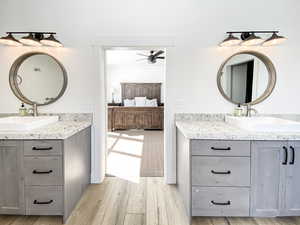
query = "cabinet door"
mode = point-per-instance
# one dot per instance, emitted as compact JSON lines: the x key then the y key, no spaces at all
{"x":11,"y":179}
{"x":267,"y":173}
{"x":291,"y":205}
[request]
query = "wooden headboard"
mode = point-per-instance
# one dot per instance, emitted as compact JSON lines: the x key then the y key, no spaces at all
{"x":149,"y":90}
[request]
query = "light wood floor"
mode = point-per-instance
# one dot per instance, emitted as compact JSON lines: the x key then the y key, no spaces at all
{"x":135,"y":152}
{"x":120,"y":202}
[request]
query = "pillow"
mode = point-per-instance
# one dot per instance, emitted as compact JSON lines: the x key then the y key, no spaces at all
{"x":129,"y":102}
{"x":151,"y":102}
{"x":140,"y":101}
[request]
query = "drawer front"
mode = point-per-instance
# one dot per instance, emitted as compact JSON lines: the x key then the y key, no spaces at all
{"x":220,"y":171}
{"x":5,"y":143}
{"x":47,"y":200}
{"x":42,"y":148}
{"x":220,"y":201}
{"x":220,"y":148}
{"x":43,"y":170}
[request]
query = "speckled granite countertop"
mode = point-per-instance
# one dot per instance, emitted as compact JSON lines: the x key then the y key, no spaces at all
{"x":58,"y":130}
{"x":220,"y":130}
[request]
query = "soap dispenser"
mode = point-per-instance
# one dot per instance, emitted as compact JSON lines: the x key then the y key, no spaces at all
{"x":238,"y":111}
{"x":23,"y":110}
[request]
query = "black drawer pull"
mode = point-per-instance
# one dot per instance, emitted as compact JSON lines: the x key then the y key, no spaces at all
{"x":220,"y":149}
{"x":285,"y":155}
{"x":292,"y":162}
{"x":42,"y":172}
{"x":221,"y":203}
{"x":221,"y":172}
{"x":36,"y":202}
{"x":41,"y":148}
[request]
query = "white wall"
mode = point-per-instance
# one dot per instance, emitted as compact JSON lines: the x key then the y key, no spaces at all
{"x":193,"y":27}
{"x":122,"y":66}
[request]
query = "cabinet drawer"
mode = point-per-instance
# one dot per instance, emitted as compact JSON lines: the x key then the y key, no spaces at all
{"x":220,"y":148}
{"x":42,"y":147}
{"x":220,"y":171}
{"x":220,"y":201}
{"x":47,"y":200}
{"x":43,"y":170}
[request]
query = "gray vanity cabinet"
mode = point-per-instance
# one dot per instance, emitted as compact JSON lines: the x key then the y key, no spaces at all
{"x":11,"y":179}
{"x":275,"y":178}
{"x":267,"y":175}
{"x":214,"y":176}
{"x":44,"y":177}
{"x":291,"y":206}
{"x":238,"y":178}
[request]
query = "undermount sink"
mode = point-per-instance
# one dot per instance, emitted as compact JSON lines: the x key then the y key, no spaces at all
{"x":18,"y":123}
{"x":264,"y":124}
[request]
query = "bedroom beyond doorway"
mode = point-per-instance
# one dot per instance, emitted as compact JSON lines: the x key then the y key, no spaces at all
{"x":135,"y":81}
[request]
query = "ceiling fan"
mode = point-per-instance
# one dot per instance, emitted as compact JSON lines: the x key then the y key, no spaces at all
{"x":152,"y":58}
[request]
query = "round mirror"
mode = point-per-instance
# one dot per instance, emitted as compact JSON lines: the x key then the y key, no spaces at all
{"x":38,"y":78}
{"x":246,"y":78}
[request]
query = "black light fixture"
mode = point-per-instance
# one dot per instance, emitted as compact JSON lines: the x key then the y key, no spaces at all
{"x":230,"y":41}
{"x":249,"y":38}
{"x":252,"y":40}
{"x":275,"y":39}
{"x":51,"y":41}
{"x":31,"y":39}
{"x":10,"y":40}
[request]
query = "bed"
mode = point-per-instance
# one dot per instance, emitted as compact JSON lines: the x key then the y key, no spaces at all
{"x":125,"y":118}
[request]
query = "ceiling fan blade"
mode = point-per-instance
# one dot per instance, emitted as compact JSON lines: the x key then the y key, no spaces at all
{"x":160,"y":57}
{"x":158,"y":53}
{"x":142,"y":54}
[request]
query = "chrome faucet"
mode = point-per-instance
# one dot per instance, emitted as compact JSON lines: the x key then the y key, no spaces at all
{"x":34,"y":110}
{"x":249,"y":109}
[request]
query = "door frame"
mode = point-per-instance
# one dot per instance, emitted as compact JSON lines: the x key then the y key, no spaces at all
{"x":100,"y":117}
{"x":108,"y":48}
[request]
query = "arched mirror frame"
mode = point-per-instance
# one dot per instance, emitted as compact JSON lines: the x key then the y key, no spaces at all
{"x":13,"y":79}
{"x":271,"y":80}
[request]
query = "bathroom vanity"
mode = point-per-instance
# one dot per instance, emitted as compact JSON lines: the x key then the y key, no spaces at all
{"x":45,"y":161}
{"x":223,"y":170}
{"x":240,"y":166}
{"x":44,"y":171}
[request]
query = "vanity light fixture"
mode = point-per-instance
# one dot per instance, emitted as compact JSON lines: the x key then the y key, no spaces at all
{"x":230,"y":41}
{"x":249,"y":38}
{"x":51,"y":41}
{"x":10,"y":40}
{"x":31,"y":39}
{"x":275,"y":39}
{"x":252,"y":40}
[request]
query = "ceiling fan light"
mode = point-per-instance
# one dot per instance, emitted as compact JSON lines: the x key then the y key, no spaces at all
{"x":230,"y":41}
{"x":30,"y":40}
{"x":51,"y":41}
{"x":274,"y":40}
{"x":252,"y":40}
{"x":10,"y":40}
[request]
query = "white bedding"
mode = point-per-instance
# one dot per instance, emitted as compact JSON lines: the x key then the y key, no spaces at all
{"x":140,"y":102}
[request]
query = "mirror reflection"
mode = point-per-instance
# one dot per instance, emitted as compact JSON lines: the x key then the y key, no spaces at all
{"x":40,"y":79}
{"x":244,"y":78}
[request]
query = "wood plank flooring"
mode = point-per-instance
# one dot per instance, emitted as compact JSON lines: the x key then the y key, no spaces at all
{"x":150,"y":202}
{"x":139,"y":153}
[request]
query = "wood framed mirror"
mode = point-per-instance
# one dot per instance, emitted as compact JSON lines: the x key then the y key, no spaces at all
{"x":38,"y":78}
{"x":247,"y":77}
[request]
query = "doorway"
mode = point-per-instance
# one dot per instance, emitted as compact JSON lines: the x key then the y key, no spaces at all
{"x":135,"y":90}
